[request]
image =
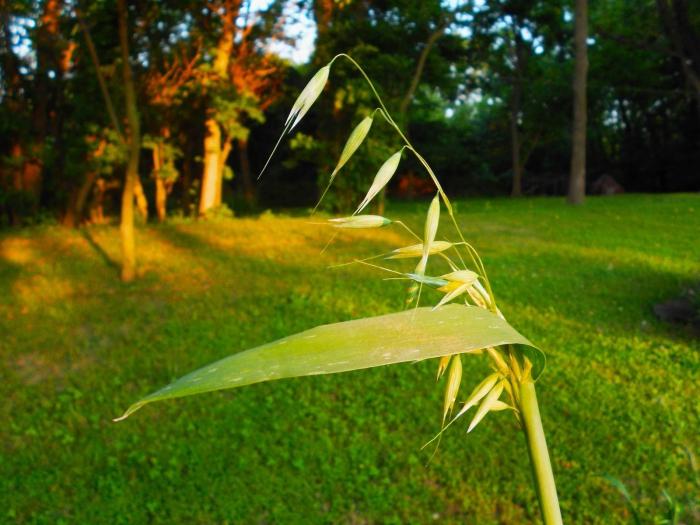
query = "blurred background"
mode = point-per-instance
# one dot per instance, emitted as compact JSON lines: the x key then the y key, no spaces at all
{"x":485,"y":89}
{"x":132,"y":134}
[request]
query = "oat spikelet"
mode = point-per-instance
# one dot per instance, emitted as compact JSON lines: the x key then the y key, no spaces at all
{"x":381,"y":179}
{"x":486,"y":405}
{"x":453,"y":380}
{"x":442,"y":365}
{"x":479,"y":392}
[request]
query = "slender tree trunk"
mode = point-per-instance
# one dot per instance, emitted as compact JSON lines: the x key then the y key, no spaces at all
{"x":210,"y":195}
{"x":141,"y":200}
{"x":516,"y":96}
{"x":210,"y":175}
{"x":98,"y":73}
{"x":418,"y":73}
{"x":161,"y":199}
{"x":75,"y":212}
{"x":223,"y":157}
{"x":134,"y":143}
{"x":515,"y":143}
{"x":17,"y":155}
{"x":408,"y":97}
{"x":161,"y":193}
{"x":675,"y":21}
{"x":186,"y":182}
{"x":76,"y":207}
{"x":14,"y":101}
{"x":47,"y":54}
{"x":58,"y":123}
{"x":246,"y":175}
{"x":577,"y":175}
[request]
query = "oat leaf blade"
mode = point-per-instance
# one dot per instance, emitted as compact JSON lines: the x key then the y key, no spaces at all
{"x":352,"y":345}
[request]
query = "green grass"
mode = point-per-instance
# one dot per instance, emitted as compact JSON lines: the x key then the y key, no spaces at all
{"x":619,"y":396}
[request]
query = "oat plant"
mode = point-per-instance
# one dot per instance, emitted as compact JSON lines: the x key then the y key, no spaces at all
{"x":465,"y":321}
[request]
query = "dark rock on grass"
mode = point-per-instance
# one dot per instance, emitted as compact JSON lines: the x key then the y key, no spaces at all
{"x":683,"y":310}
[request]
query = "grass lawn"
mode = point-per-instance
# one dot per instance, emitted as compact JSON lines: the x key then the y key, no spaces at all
{"x":620,"y":395}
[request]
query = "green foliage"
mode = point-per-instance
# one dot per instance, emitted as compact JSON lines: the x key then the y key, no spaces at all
{"x":170,"y":152}
{"x":77,"y":346}
{"x":671,"y":515}
{"x":235,"y":112}
{"x":112,"y":151}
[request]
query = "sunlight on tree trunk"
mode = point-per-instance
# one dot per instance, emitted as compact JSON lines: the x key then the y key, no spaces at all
{"x":161,"y":199}
{"x":223,"y":157}
{"x":577,"y":176}
{"x":212,"y":176}
{"x":134,"y":142}
{"x":161,"y":192}
{"x":141,"y":200}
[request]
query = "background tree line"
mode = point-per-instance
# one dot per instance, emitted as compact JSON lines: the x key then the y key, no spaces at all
{"x":173,"y":106}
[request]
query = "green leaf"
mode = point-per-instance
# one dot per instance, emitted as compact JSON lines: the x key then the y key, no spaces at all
{"x":411,"y":335}
{"x":622,"y":489}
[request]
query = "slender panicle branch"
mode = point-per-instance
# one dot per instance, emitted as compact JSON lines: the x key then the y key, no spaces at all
{"x":385,"y":113}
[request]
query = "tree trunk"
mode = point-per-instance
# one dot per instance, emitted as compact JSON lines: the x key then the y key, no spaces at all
{"x":186,"y":182}
{"x":47,"y":55}
{"x":210,"y":175}
{"x":381,"y":202}
{"x":161,"y":199}
{"x":515,"y":143}
{"x":61,"y":109}
{"x":134,"y":142}
{"x":246,"y":176}
{"x":161,"y":190}
{"x":515,"y":112}
{"x":141,"y":200}
{"x":98,"y":73}
{"x":210,"y":195}
{"x":223,"y":158}
{"x":577,"y":175}
{"x":76,"y":208}
{"x":408,"y":97}
{"x":675,"y":21}
{"x":418,"y":73}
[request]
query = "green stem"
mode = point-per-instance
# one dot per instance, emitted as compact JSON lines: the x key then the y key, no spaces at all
{"x":539,"y":456}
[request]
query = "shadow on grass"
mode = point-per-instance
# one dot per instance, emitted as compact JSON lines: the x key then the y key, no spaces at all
{"x":101,"y":253}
